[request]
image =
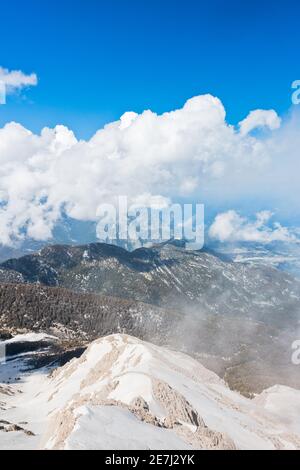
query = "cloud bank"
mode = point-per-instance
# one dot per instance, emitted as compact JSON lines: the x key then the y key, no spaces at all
{"x":16,"y":79}
{"x":232,"y":227}
{"x":259,"y":119}
{"x":191,"y":152}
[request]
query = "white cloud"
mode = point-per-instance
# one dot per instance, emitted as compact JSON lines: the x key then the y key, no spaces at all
{"x":258,"y":119}
{"x":231,"y":227}
{"x":16,"y":79}
{"x":190,"y":152}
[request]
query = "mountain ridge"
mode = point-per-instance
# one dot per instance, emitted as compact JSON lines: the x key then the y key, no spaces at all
{"x":167,"y":399}
{"x":164,"y":275}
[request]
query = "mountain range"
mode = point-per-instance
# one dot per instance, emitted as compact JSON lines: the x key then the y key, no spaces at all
{"x":165,"y":275}
{"x":239,"y":319}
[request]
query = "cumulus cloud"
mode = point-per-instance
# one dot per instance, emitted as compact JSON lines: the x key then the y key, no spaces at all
{"x":258,"y":119}
{"x":232,"y":227}
{"x":16,"y":79}
{"x":191,"y":152}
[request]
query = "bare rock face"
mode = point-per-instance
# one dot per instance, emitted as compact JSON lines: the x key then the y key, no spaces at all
{"x":177,"y":407}
{"x":6,"y":426}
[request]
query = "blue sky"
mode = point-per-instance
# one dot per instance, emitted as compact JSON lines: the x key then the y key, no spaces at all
{"x":97,"y":59}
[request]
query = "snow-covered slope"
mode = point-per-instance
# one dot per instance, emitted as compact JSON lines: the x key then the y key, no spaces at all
{"x":123,"y":393}
{"x":284,"y":402}
{"x":28,"y":338}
